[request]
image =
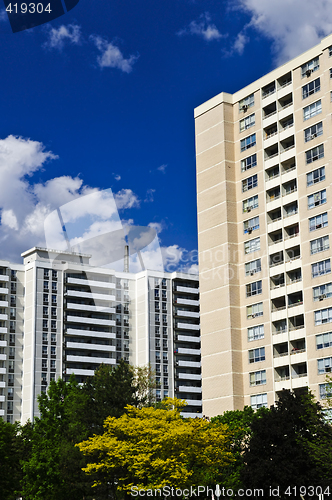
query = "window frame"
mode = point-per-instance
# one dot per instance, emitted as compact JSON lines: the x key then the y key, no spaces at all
{"x":313,"y":109}
{"x":316,"y":199}
{"x":245,"y":163}
{"x":314,"y":154}
{"x":247,"y":122}
{"x":315,"y":180}
{"x":310,"y":88}
{"x":248,"y":142}
{"x":255,"y":332}
{"x":318,"y":222}
{"x":323,"y":268}
{"x":257,"y":355}
{"x":249,"y":183}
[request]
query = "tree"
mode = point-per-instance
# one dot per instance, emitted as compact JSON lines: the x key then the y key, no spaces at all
{"x":53,"y":470}
{"x":106,"y":394}
{"x":145,"y":384}
{"x":239,"y":425}
{"x":290,"y":445}
{"x":11,"y":451}
{"x":155,"y":447}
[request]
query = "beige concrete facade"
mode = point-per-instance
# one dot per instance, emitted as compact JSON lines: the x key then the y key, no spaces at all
{"x":264,"y":217}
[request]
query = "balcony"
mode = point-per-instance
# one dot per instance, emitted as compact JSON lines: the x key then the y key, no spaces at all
{"x":90,"y":346}
{"x":188,"y":388}
{"x":187,"y":338}
{"x":187,"y":326}
{"x":90,"y":295}
{"x":89,"y":359}
{"x":91,"y":333}
{"x":187,"y":314}
{"x":90,"y":283}
{"x":187,"y":302}
{"x":90,"y":321}
{"x":186,"y":289}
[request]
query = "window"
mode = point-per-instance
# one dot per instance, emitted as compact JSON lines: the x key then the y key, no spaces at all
{"x":53,"y":324}
{"x":330,"y":72}
{"x":321,"y":268}
{"x":54,"y":286}
{"x":54,"y":275}
{"x":314,"y":154}
{"x":255,"y":310}
{"x":256,"y":333}
{"x":53,"y":311}
{"x":53,"y":299}
{"x":324,"y":340}
{"x":257,"y":378}
{"x":247,"y":102}
{"x":322,"y":292}
{"x":319,"y":245}
{"x":249,"y":183}
{"x":318,"y":222}
{"x":324,"y":365}
{"x":45,"y":285}
{"x":250,"y":204}
{"x":254,"y":288}
{"x":258,"y":401}
{"x":313,"y":132}
{"x":315,"y":176}
{"x":247,"y":122}
{"x":165,"y":358}
{"x":44,"y":350}
{"x":157,"y":318}
{"x":252,"y":246}
{"x":330,"y":51}
{"x":46,"y":273}
{"x":248,"y":142}
{"x":325,"y":391}
{"x":253,"y":267}
{"x":251,"y":225}
{"x":165,"y":319}
{"x":312,"y":110}
{"x":45,"y":323}
{"x":256,"y":355}
{"x":310,"y":88}
{"x":316,"y":199}
{"x":249,"y":162}
{"x":310,"y":67}
{"x":323,"y":316}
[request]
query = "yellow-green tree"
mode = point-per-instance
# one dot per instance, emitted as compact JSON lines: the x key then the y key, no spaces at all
{"x":155,"y":447}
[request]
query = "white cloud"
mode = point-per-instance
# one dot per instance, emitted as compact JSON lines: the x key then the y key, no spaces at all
{"x":203,"y":28}
{"x":57,"y":37}
{"x":149,"y":196}
{"x":240,"y":42}
{"x":117,"y":177}
{"x":162,"y":168}
{"x":293,"y":26}
{"x":157,"y":226}
{"x":126,"y":198}
{"x":8,"y":218}
{"x":111,"y":56}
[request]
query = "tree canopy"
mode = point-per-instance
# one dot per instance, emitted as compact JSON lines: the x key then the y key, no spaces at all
{"x":154,"y":447}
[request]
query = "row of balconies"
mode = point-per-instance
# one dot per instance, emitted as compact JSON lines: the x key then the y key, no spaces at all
{"x":283,"y":234}
{"x":284,"y":168}
{"x":291,"y":300}
{"x":276,"y":192}
{"x":289,"y":255}
{"x":278,"y":281}
{"x":282,"y":212}
{"x":289,"y":324}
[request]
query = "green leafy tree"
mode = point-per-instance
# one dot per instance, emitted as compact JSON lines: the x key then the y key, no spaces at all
{"x":145,"y":383}
{"x":152,"y":448}
{"x":290,"y":445}
{"x":239,"y":425}
{"x":53,"y":470}
{"x":11,"y":453}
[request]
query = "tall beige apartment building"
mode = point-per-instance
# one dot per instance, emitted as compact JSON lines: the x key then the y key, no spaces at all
{"x":264,"y":218}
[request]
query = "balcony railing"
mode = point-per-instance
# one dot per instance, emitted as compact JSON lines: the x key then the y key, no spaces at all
{"x":270,"y":114}
{"x":289,"y":169}
{"x":293,"y":328}
{"x":274,"y":220}
{"x":285,"y":84}
{"x":268,"y":92}
{"x":280,"y":354}
{"x":297,"y":351}
{"x":300,"y":302}
{"x":272,"y":242}
{"x":281,"y":330}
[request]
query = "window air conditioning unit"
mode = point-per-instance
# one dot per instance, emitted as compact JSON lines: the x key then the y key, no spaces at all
{"x":314,"y":135}
{"x":308,"y":72}
{"x":249,"y":230}
{"x":249,"y":209}
{"x":253,"y":315}
{"x":252,"y":273}
{"x":322,"y":297}
{"x":244,"y":107}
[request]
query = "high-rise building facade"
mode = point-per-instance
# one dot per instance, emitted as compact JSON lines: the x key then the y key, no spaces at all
{"x":264,"y":220}
{"x":59,"y":316}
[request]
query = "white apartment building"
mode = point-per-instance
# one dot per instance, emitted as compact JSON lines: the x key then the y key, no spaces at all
{"x":264,"y":218}
{"x":59,"y":316}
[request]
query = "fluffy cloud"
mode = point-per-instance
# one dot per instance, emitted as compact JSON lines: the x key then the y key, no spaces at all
{"x":57,"y":37}
{"x":111,"y":56}
{"x":203,"y":28}
{"x":162,"y":168}
{"x":293,"y":26}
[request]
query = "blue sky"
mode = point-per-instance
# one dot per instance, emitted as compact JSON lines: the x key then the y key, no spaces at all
{"x":103,"y":97}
